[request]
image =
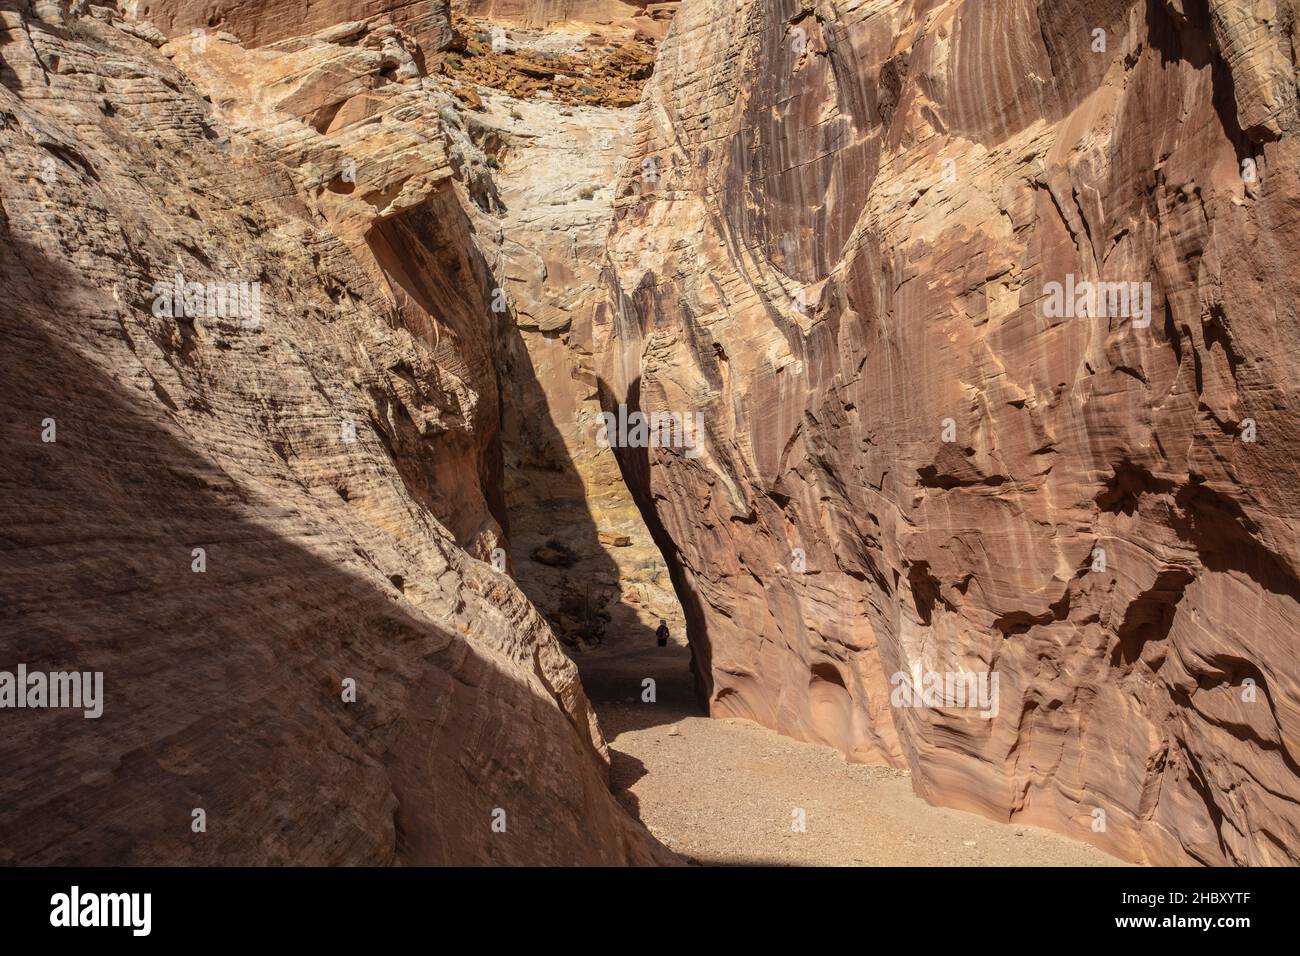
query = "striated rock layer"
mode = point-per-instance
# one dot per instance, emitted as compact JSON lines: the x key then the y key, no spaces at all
{"x":578,"y":544}
{"x":268,"y":521}
{"x":837,"y":235}
{"x":649,"y":18}
{"x":263,"y":22}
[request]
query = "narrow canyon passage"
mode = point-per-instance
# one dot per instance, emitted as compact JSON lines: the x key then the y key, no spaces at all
{"x":380,"y":378}
{"x":586,"y":541}
{"x":724,"y":792}
{"x":715,"y":791}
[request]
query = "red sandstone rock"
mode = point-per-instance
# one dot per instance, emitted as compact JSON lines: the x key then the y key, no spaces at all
{"x":331,"y":452}
{"x":836,"y":235}
{"x":842,"y":258}
{"x":653,"y":18}
{"x":262,"y":22}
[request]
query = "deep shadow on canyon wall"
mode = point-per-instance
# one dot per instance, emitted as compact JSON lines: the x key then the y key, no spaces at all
{"x":184,"y":513}
{"x":579,"y":590}
{"x":222,"y":688}
{"x":634,"y":465}
{"x":524,"y":473}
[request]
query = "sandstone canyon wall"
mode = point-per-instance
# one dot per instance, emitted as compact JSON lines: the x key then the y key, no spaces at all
{"x":233,"y":508}
{"x":261,"y":22}
{"x":580,"y":548}
{"x":653,"y":18}
{"x":836,"y":235}
{"x":831,"y":229}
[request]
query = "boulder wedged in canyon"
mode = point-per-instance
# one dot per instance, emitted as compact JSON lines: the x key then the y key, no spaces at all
{"x":837,"y":236}
{"x":265,"y":513}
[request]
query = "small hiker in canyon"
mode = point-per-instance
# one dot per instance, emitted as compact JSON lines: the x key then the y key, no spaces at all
{"x":662,"y":633}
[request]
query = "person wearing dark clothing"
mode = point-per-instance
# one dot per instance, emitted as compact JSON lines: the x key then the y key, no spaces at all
{"x":662,"y":633}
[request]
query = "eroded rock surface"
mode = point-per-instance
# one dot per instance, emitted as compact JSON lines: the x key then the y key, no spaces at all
{"x":232,"y":511}
{"x":834,"y":233}
{"x":835,"y":236}
{"x":578,"y":544}
{"x":563,"y":65}
{"x":261,"y":22}
{"x":650,"y":18}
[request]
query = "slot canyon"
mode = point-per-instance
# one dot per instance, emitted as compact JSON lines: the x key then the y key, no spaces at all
{"x":383,"y":376}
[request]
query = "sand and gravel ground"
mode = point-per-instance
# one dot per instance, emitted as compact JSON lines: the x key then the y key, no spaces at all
{"x":723,"y":792}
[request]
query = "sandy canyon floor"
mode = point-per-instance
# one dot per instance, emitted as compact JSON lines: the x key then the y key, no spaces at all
{"x":725,"y":792}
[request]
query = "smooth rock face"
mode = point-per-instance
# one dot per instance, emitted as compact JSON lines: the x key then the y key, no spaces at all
{"x":837,"y":236}
{"x":239,"y":514}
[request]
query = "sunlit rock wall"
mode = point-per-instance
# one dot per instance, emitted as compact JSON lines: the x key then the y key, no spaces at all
{"x":847,"y":234}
